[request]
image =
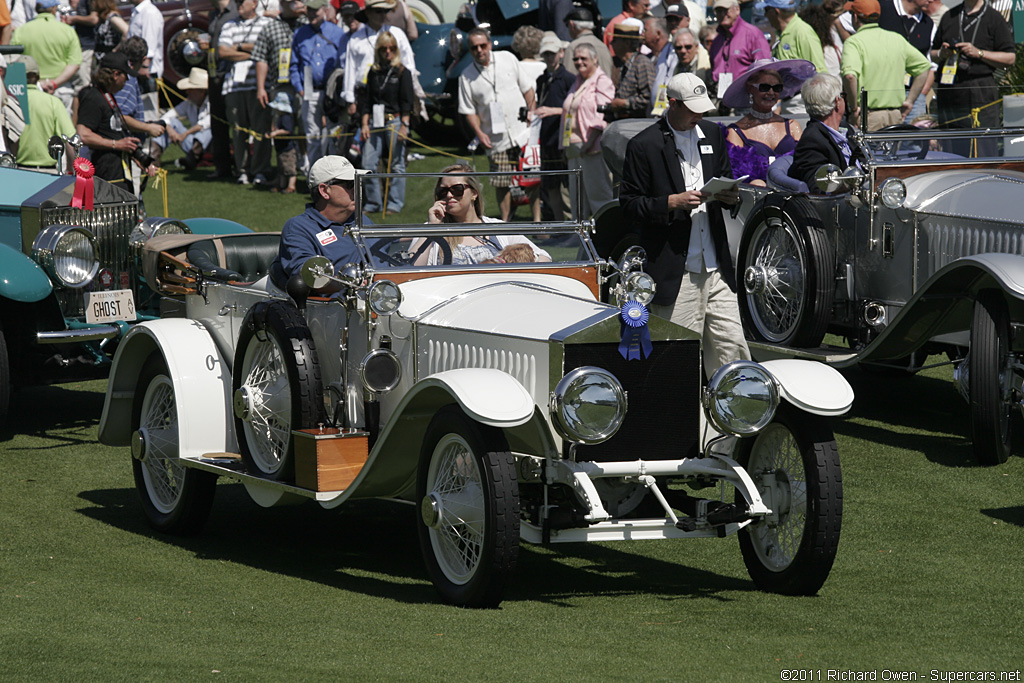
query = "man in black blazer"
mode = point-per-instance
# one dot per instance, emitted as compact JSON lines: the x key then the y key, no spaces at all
{"x":824,"y":138}
{"x":682,"y":229}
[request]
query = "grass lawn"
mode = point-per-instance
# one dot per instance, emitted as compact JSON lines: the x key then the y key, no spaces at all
{"x":928,"y":575}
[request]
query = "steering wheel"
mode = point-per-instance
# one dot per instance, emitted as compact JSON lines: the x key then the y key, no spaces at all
{"x":401,"y":259}
{"x":892,"y":149}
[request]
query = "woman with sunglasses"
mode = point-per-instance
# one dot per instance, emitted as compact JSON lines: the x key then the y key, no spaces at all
{"x":386,"y":103}
{"x":458,"y":200}
{"x":757,"y":139}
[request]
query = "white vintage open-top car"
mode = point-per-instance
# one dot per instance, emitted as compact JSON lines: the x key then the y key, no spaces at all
{"x":494,"y":397}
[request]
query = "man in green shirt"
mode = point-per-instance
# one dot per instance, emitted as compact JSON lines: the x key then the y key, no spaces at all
{"x":55,"y":47}
{"x":797,"y":40}
{"x":876,"y":60}
{"x":47,"y":117}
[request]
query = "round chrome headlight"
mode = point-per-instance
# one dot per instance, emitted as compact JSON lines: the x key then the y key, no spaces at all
{"x":741,"y":398}
{"x":381,"y":371}
{"x":8,"y":160}
{"x":68,"y":255}
{"x":384,"y":297}
{"x":588,"y":405}
{"x":640,"y":287}
{"x":893,"y":193}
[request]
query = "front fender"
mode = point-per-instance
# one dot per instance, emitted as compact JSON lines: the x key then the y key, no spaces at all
{"x":488,"y":396}
{"x":945,"y":303}
{"x":21,"y":278}
{"x":202,"y":386}
{"x":812,"y":386}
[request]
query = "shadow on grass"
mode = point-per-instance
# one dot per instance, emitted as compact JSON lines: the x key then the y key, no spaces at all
{"x":62,"y":414}
{"x":912,"y":413}
{"x":371,"y":547}
{"x":1011,"y":515}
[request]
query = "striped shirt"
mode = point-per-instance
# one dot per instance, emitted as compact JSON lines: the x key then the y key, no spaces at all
{"x":242,"y":75}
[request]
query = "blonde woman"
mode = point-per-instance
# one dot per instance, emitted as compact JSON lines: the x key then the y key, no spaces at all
{"x":386,"y":103}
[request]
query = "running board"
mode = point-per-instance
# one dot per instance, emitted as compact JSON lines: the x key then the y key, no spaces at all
{"x":230,"y":465}
{"x":832,"y":355}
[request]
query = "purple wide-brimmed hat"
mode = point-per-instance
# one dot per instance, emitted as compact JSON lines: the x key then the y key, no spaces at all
{"x":793,"y":71}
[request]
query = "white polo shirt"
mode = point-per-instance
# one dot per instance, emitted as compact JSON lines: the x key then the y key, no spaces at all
{"x":501,"y":81}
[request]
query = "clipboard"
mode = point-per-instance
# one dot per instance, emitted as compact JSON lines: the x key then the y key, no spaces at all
{"x":716,"y":185}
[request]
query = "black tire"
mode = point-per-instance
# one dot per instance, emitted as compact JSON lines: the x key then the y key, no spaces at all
{"x":989,"y":377}
{"x":788,"y":268}
{"x":5,"y":380}
{"x":792,"y":551}
{"x":276,"y":387}
{"x":469,"y":464}
{"x":175,"y":498}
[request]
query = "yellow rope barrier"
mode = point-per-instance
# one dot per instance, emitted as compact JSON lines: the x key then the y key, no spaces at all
{"x":160,"y":182}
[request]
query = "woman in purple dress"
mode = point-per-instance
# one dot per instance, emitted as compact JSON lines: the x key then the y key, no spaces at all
{"x":757,"y":139}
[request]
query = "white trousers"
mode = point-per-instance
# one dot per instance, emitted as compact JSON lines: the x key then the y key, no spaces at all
{"x":707,"y":306}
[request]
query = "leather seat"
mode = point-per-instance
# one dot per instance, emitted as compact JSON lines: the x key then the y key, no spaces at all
{"x":235,"y":258}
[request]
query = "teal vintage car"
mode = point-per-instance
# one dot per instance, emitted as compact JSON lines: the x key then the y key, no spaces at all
{"x":70,"y":283}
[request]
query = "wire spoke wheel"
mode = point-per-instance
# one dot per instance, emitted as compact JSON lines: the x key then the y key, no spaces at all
{"x":795,"y":465}
{"x":176,"y":499}
{"x":788,"y":273}
{"x":277,"y":387}
{"x":268,"y":426}
{"x":469,"y":510}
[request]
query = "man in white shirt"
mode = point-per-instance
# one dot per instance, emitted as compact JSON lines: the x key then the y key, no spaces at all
{"x":492,"y":91}
{"x":236,"y":43}
{"x":148,"y":23}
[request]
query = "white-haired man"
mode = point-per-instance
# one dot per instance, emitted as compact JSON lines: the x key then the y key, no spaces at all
{"x":823,"y":140}
{"x":681,"y":228}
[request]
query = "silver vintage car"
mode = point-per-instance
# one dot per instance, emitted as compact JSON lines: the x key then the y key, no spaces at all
{"x":505,"y":401}
{"x":919,"y":250}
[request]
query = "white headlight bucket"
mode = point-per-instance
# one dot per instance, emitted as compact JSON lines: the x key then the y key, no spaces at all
{"x":588,"y":405}
{"x":741,"y":398}
{"x":893,"y":192}
{"x":68,"y":255}
{"x":384,"y":297}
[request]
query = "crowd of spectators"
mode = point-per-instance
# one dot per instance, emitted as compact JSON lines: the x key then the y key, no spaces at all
{"x":285,"y":73}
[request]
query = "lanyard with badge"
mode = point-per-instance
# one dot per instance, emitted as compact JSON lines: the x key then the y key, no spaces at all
{"x":725,"y":78}
{"x":949,"y":69}
{"x":497,"y":115}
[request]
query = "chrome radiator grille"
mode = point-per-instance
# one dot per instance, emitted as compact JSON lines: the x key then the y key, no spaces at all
{"x":442,"y":355}
{"x":944,"y":242}
{"x":111,"y":224}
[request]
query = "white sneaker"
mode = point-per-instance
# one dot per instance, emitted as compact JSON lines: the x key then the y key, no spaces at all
{"x":242,"y":179}
{"x":259,"y":180}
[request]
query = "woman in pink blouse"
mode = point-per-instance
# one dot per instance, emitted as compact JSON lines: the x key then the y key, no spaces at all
{"x":581,"y":128}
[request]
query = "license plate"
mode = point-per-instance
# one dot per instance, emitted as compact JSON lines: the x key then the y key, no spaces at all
{"x":109,"y":306}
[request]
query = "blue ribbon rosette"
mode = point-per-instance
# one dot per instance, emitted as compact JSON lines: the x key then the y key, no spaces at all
{"x":636,"y":338}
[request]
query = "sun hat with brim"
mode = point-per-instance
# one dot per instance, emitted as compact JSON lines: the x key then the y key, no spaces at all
{"x":315,"y":4}
{"x":793,"y":71}
{"x":198,"y":79}
{"x":281,"y":103}
{"x":376,"y":4}
{"x":627,"y":31}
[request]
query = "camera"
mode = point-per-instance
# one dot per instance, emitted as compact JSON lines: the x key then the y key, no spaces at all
{"x":602,"y":109}
{"x":524,"y":114}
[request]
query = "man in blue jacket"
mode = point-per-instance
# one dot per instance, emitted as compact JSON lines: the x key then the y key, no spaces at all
{"x":314,"y":57}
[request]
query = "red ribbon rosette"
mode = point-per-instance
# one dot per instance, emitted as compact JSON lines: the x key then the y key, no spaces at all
{"x":84,"y":172}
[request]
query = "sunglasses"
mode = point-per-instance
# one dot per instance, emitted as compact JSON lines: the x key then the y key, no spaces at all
{"x":683,"y":48}
{"x":765,"y":87}
{"x":377,"y":10}
{"x":456,"y":190}
{"x":386,"y":48}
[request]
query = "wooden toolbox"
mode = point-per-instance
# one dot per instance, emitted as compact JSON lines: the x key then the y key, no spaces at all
{"x":328,"y":459}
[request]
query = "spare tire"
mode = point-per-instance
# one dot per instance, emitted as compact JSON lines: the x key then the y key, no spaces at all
{"x":788,"y":268}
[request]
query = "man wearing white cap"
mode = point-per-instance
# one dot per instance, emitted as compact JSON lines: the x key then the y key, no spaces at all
{"x":320,"y":229}
{"x":681,"y":228}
